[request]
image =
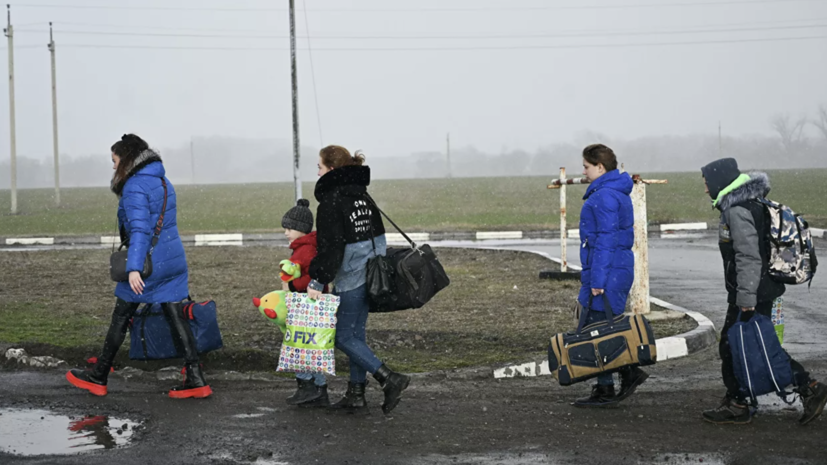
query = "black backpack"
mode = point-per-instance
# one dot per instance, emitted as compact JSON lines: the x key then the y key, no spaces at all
{"x":405,"y":277}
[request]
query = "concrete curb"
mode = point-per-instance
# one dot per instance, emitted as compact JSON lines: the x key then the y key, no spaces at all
{"x":678,"y":230}
{"x":668,"y":348}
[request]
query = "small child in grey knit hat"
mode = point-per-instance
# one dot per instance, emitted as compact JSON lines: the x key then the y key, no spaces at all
{"x":298,"y":227}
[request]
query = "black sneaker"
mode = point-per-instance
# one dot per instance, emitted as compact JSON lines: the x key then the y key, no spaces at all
{"x":814,"y":397}
{"x":629,"y":381}
{"x":729,"y":413}
{"x":601,"y":396}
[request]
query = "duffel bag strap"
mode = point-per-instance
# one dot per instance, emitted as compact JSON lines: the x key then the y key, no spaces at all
{"x":607,"y":307}
{"x":413,"y":244}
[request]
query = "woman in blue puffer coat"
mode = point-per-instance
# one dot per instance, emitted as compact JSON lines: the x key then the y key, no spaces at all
{"x":141,"y":186}
{"x":606,"y":235}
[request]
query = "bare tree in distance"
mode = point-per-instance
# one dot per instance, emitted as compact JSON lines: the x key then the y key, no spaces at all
{"x":790,"y":132}
{"x":821,"y":120}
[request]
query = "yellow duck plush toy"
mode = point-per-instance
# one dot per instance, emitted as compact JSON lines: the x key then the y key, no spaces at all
{"x":274,"y":308}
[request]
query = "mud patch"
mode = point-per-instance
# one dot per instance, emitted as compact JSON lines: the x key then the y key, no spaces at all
{"x":41,"y":432}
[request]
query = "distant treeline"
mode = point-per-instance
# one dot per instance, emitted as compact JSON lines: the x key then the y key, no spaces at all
{"x":230,"y":160}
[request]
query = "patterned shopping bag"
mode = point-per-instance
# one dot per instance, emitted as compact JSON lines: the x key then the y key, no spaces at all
{"x":777,"y":318}
{"x":311,"y":332}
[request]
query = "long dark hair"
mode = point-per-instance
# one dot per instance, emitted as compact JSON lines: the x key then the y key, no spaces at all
{"x":128,"y":149}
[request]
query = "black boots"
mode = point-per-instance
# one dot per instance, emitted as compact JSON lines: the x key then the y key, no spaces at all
{"x":813,"y":397}
{"x":630,"y":379}
{"x":354,"y":399}
{"x":730,"y":412}
{"x":95,"y":380}
{"x":393,"y":384}
{"x":309,"y":395}
{"x":194,"y":384}
{"x":602,"y":396}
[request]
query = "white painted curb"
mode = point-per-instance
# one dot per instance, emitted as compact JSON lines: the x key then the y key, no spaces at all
{"x":484,"y":235}
{"x":30,"y":241}
{"x":680,"y":235}
{"x":110,"y":240}
{"x":683,"y":227}
{"x":396,"y":238}
{"x":668,"y":347}
{"x":821,"y":233}
{"x":219,"y":239}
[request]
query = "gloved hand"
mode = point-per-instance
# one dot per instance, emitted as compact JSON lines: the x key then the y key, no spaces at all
{"x":289,"y":270}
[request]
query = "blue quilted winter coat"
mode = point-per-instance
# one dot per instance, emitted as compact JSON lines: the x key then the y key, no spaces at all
{"x":138,"y":211}
{"x":606,"y":239}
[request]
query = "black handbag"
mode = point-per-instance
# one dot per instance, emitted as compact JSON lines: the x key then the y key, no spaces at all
{"x":405,"y":277}
{"x":118,"y":259}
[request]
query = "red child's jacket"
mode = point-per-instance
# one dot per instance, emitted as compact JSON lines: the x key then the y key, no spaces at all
{"x":304,"y":250}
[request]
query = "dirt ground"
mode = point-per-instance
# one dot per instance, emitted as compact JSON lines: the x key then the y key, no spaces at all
{"x":496,"y":310}
{"x":452,"y":417}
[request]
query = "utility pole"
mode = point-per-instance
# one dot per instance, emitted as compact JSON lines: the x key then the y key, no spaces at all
{"x":9,"y":31}
{"x":54,"y":117}
{"x":296,"y":148}
{"x":192,"y":160}
{"x":448,"y":153}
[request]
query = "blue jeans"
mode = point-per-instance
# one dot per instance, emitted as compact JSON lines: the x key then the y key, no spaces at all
{"x":318,"y":378}
{"x":351,"y":319}
{"x":593,"y":316}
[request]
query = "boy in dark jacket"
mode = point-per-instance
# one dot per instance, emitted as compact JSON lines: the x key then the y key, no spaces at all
{"x":743,"y":237}
{"x":298,"y":224}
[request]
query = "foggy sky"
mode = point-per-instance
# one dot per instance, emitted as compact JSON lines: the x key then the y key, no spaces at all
{"x":396,"y":102}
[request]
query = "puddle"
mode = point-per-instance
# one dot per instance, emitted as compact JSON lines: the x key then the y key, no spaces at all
{"x":41,"y":432}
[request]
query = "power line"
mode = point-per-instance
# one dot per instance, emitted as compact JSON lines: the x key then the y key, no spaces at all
{"x":313,"y":75}
{"x":448,"y":37}
{"x":430,"y":10}
{"x":268,"y":31}
{"x":446,"y":49}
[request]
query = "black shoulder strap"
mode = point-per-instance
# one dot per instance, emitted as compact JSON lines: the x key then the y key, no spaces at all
{"x":413,"y":244}
{"x":160,"y":224}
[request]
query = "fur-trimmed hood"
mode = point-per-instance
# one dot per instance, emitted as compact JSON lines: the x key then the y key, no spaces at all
{"x":145,"y":158}
{"x":756,"y":187}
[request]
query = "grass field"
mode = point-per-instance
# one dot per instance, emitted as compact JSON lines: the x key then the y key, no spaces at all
{"x":495,"y":310}
{"x":469,"y":204}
